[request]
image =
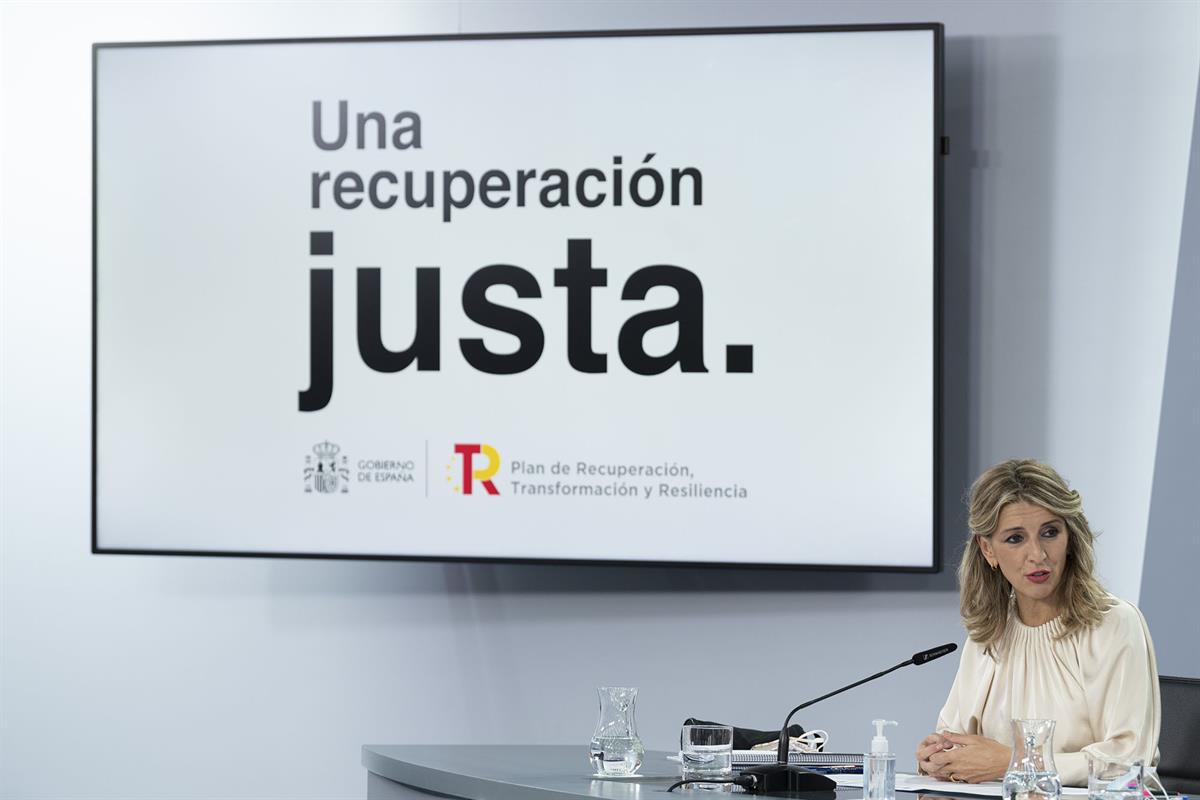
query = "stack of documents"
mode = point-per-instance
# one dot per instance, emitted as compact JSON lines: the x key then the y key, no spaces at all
{"x":924,"y":783}
{"x":803,"y":759}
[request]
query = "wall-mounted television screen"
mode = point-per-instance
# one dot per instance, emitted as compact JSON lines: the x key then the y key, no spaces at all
{"x":626,"y":296}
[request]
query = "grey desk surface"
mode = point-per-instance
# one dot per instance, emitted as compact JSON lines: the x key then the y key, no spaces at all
{"x":513,"y":772}
{"x":525,"y":772}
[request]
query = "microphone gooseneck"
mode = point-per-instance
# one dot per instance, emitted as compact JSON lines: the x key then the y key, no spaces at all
{"x":923,"y":657}
{"x":784,"y":777}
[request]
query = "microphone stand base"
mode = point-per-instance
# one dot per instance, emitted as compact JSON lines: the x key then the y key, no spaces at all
{"x":787,"y":778}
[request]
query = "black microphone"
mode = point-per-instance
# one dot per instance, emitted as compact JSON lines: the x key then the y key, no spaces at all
{"x":932,"y":653}
{"x":784,"y":777}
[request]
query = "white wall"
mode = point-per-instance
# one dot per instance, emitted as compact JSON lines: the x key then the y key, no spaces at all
{"x":1172,"y":548}
{"x":141,"y":677}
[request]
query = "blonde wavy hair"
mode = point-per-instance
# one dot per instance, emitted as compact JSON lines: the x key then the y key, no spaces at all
{"x":985,"y":594}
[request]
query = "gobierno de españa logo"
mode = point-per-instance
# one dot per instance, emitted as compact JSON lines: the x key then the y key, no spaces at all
{"x":324,"y":471}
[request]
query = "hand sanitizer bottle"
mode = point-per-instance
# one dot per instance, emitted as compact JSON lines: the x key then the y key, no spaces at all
{"x":879,"y":766}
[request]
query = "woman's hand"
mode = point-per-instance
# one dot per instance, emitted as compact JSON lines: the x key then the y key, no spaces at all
{"x":973,"y":759}
{"x":933,"y":743}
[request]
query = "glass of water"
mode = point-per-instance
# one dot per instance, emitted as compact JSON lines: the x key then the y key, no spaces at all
{"x":706,"y":754}
{"x":1114,"y":780}
{"x":1031,"y":774}
{"x":616,"y":750}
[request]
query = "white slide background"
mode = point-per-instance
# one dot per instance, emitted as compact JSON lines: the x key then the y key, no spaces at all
{"x":812,"y":240}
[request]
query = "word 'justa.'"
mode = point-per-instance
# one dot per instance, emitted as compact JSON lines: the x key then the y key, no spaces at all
{"x":578,"y":279}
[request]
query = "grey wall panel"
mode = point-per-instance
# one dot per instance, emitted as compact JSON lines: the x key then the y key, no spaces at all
{"x":1173,"y":539}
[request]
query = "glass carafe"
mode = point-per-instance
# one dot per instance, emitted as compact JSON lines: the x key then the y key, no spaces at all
{"x":616,"y":751}
{"x":1031,"y":773}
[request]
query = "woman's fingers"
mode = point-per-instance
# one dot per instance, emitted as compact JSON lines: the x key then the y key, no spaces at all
{"x":933,"y":743}
{"x":973,"y":759}
{"x":961,"y":738}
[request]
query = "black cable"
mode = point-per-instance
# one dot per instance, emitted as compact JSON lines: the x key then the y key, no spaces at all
{"x":745,"y":781}
{"x":677,"y":784}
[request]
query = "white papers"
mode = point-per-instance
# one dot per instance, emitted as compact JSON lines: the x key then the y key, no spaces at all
{"x":923,"y":783}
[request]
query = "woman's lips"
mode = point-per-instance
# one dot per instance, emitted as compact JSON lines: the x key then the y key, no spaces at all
{"x":1039,"y":576}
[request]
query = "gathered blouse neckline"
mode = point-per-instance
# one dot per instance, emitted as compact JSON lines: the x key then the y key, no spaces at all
{"x":1049,"y":629}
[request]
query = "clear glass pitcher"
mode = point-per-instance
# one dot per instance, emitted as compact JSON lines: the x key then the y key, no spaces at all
{"x":616,"y":751}
{"x":1031,"y":774}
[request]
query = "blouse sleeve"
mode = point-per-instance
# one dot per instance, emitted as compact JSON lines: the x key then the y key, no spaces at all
{"x":964,"y":705}
{"x":1121,"y":684}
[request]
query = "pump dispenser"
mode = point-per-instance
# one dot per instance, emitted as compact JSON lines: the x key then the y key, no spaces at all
{"x":879,"y":766}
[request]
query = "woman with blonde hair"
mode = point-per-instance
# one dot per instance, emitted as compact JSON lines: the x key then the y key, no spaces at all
{"x":1045,"y":640}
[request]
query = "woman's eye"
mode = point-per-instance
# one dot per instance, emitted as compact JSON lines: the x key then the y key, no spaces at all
{"x":1050,"y":533}
{"x":1016,"y":538}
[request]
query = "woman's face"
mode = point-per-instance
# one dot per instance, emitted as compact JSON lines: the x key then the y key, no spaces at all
{"x":1030,"y":549}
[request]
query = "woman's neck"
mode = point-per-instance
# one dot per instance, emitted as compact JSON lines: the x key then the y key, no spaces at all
{"x":1036,"y":612}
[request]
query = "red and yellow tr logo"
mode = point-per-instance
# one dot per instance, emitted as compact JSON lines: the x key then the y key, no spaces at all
{"x":469,"y":473}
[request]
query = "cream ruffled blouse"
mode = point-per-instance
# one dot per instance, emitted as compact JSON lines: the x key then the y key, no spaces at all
{"x":1100,"y":685}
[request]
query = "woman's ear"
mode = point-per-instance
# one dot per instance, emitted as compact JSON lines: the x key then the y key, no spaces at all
{"x":985,"y":547}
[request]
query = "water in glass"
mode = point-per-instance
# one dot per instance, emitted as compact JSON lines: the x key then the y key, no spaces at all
{"x":707,"y":761}
{"x":616,"y":756}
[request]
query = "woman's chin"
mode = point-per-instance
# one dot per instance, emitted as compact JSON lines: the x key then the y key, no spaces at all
{"x":1037,"y":592}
